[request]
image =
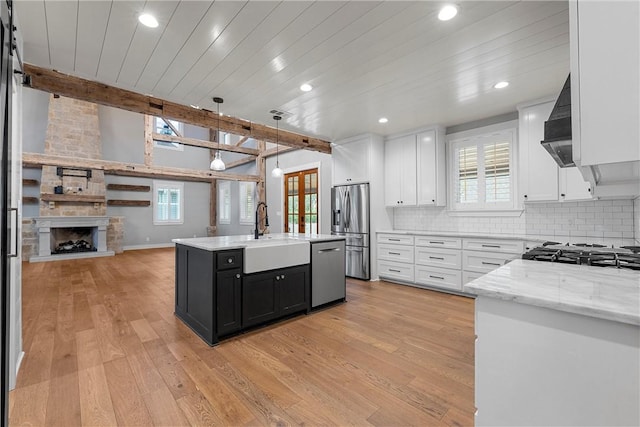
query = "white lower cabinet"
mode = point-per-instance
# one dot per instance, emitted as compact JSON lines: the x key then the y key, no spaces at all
{"x":440,"y":277}
{"x":395,"y":270}
{"x":447,"y":263}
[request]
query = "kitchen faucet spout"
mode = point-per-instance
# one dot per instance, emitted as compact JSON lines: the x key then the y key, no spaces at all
{"x":256,"y":232}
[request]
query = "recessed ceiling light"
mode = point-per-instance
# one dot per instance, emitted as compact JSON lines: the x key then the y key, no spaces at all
{"x":447,"y":12}
{"x":148,"y":20}
{"x":383,"y":120}
{"x":501,"y":85}
{"x":306,"y":87}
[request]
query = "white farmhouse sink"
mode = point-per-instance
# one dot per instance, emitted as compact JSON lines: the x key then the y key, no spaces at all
{"x":269,"y":254}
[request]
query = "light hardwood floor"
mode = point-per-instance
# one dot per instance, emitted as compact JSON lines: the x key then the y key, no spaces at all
{"x":104,"y":348}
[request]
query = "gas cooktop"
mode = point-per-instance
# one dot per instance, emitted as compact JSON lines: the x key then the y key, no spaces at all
{"x":587,"y":254}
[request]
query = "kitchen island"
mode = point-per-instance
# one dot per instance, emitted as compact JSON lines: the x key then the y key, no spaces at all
{"x":229,"y":284}
{"x":557,"y":344}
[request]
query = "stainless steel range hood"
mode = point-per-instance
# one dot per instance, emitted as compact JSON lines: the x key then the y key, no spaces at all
{"x":557,"y":130}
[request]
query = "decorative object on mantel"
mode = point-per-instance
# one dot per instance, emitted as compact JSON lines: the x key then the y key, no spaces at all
{"x":30,"y":182}
{"x":277,"y":172}
{"x":217,"y":164}
{"x":128,"y":187}
{"x":116,"y":202}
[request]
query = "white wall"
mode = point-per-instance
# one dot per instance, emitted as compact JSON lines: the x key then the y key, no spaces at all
{"x":296,"y":161}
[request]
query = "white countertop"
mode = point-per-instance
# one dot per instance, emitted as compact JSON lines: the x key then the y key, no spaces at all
{"x":242,"y":241}
{"x":602,"y":292}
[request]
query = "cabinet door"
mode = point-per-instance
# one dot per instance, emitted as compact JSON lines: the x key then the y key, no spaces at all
{"x":228,"y":301}
{"x":400,"y":171}
{"x":573,"y":185}
{"x":351,"y":162}
{"x":294,"y":290}
{"x":430,"y":169}
{"x":259,"y":299}
{"x":181,"y":279}
{"x":538,"y":170}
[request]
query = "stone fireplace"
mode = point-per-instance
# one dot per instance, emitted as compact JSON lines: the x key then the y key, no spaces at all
{"x":54,"y":232}
{"x":72,"y":221}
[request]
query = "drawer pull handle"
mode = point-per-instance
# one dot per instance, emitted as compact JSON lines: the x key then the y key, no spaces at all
{"x":394,"y":240}
{"x":436,"y":277}
{"x":395,"y":271}
{"x":490,"y":263}
{"x":230,"y":261}
{"x":394,"y":253}
{"x":491,"y":246}
{"x":237,"y":276}
{"x":439,"y":243}
{"x":321,"y":251}
{"x":436,"y":257}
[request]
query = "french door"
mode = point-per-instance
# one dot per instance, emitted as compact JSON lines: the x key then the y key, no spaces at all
{"x":301,"y":202}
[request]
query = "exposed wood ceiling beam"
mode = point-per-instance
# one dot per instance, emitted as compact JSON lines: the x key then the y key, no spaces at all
{"x":87,"y":90}
{"x":204,"y":144}
{"x":131,"y":169}
{"x":242,"y":161}
{"x":242,"y":141}
{"x":272,"y":151}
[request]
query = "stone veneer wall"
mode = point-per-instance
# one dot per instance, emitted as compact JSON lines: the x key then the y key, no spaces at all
{"x":115,"y":236}
{"x":73,"y":130}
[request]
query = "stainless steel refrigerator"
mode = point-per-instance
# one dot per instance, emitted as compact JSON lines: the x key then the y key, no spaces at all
{"x":350,"y":218}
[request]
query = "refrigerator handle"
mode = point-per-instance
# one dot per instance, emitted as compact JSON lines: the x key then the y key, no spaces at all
{"x":347,"y":221}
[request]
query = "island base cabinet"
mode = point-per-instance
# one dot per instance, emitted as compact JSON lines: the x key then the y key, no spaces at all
{"x":269,"y":295}
{"x":194,"y":290}
{"x":259,"y":299}
{"x":539,"y":366}
{"x":229,"y":301}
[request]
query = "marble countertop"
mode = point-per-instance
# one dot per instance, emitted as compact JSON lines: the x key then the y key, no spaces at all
{"x":535,"y":238}
{"x":607,"y":293}
{"x":242,"y":241}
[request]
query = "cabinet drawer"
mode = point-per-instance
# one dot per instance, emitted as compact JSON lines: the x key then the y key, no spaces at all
{"x":484,"y":262}
{"x":395,"y":239}
{"x":439,"y":242}
{"x":468,"y":276}
{"x":229,"y":259}
{"x":441,"y":277}
{"x":494,"y":245}
{"x":395,"y":270}
{"x":447,"y":258}
{"x":396,"y":253}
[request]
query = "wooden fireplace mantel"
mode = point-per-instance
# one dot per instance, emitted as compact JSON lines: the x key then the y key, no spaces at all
{"x":74,"y":198}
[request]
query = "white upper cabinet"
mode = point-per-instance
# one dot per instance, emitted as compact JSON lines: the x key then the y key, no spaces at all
{"x":541,"y":180}
{"x":351,"y":160}
{"x":605,"y":94}
{"x":430,"y":146}
{"x":400,"y":171}
{"x":538,"y":170}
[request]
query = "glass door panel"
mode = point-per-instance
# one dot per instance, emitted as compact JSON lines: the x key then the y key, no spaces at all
{"x":301,"y":202}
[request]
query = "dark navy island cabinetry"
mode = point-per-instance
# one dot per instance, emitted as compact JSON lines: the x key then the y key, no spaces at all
{"x":216,"y":299}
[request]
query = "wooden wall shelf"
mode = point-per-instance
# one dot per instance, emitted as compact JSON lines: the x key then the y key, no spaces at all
{"x":127,"y":187}
{"x":29,"y":200}
{"x":115,"y":202}
{"x":30,"y":182}
{"x":77,"y":198}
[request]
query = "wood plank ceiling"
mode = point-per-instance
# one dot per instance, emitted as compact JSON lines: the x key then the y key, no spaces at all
{"x":364,"y":59}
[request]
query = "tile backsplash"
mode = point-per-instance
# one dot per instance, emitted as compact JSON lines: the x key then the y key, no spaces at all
{"x":598,"y":219}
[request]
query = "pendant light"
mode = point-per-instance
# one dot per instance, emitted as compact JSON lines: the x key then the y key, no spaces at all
{"x":217,"y":164}
{"x":277,"y":172}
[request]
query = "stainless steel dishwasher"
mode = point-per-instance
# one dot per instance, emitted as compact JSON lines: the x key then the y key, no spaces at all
{"x":328,"y":282}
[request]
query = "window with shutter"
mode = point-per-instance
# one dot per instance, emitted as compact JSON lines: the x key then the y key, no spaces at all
{"x":483,"y":172}
{"x":168,"y":203}
{"x":247,"y":202}
{"x":224,"y":202}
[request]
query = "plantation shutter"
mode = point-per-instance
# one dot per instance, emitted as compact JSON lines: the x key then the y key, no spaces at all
{"x":497,"y":171}
{"x":467,"y":176}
